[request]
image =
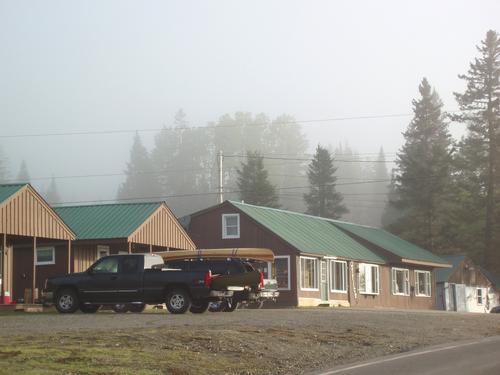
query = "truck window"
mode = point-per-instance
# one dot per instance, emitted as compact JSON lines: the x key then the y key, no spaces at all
{"x":107,"y":265}
{"x":130,"y":264}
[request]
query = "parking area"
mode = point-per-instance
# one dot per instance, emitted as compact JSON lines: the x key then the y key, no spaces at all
{"x":270,"y":341}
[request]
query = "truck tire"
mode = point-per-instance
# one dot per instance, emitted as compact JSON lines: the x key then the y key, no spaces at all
{"x":89,"y":309}
{"x":199,"y":307}
{"x":67,"y":301}
{"x":137,"y":308}
{"x":120,"y":308}
{"x":178,"y":301}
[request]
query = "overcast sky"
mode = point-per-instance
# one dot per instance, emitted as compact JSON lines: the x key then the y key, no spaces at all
{"x":106,"y":65}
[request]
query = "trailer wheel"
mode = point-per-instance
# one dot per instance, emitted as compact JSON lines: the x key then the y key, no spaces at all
{"x":199,"y":307}
{"x":67,"y":301}
{"x":178,"y":301}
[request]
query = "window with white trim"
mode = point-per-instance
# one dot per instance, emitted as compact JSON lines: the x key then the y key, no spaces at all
{"x":480,"y":296}
{"x":308,"y":273}
{"x":422,"y":283}
{"x":281,"y":271}
{"x":368,"y":279}
{"x":103,"y":251}
{"x":230,"y":226}
{"x":45,"y":256}
{"x":400,"y":281}
{"x":338,"y":276}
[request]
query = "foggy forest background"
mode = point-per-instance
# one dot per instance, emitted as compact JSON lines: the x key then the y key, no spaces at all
{"x":438,"y":192}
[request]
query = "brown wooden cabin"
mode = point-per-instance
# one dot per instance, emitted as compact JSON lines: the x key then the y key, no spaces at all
{"x":321,"y":261}
{"x":35,"y":241}
{"x":122,"y":228}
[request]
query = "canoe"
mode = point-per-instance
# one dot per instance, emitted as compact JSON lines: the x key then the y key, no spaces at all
{"x":254,"y":253}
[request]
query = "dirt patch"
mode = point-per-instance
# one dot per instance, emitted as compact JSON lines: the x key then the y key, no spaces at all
{"x":244,"y":342}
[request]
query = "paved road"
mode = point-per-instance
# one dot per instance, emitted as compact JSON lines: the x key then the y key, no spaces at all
{"x":471,"y":358}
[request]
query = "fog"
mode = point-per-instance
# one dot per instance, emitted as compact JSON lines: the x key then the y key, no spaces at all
{"x":97,"y":66}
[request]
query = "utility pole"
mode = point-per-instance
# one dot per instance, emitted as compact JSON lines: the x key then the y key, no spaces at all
{"x":221,"y":187}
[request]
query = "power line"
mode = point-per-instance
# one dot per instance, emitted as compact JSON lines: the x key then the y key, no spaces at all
{"x":308,"y":159}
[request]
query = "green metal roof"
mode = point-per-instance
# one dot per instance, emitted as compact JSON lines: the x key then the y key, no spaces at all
{"x":390,"y":242}
{"x":309,"y":234}
{"x":443,"y":274}
{"x":106,"y":220}
{"x":7,"y":190}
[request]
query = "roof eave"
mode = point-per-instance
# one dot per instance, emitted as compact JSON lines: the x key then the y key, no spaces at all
{"x":426,"y":263}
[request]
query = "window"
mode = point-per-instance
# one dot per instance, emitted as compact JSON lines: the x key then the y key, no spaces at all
{"x":130,"y":264}
{"x":281,"y":271}
{"x":231,"y":226}
{"x":400,"y":281}
{"x":423,"y":283}
{"x":107,"y":265}
{"x":45,"y":256}
{"x":102,"y":251}
{"x":308,"y":273}
{"x":338,"y":276}
{"x":368,"y":279}
{"x":479,"y":296}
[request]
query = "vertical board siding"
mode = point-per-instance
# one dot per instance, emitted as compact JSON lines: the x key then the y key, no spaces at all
{"x":83,"y":257}
{"x":26,"y":215}
{"x":162,"y":229}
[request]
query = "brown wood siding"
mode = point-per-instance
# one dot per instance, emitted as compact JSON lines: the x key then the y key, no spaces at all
{"x":469,"y":274}
{"x":27,"y":214}
{"x":206,"y":231}
{"x":162,"y":229}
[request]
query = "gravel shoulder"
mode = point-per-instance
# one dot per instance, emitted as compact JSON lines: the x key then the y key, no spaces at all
{"x":281,"y":341}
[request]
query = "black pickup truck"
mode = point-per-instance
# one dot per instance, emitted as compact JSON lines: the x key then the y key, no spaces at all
{"x":134,"y":280}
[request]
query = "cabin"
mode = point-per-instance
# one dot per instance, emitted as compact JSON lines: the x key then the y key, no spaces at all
{"x":320,"y":261}
{"x":122,"y":228}
{"x":35,"y":243}
{"x":465,"y":287}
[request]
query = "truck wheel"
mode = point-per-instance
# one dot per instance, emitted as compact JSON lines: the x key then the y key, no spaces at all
{"x":199,"y":307}
{"x":137,"y":308}
{"x":229,"y":305}
{"x":120,"y":308}
{"x":178,"y":301}
{"x":67,"y":301}
{"x":89,"y":309}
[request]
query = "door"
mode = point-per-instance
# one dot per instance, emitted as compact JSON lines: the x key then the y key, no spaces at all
{"x":101,"y":284}
{"x":324,"y":281}
{"x":130,"y":278}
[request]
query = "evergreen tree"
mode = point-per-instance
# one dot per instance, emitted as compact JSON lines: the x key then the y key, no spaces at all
{"x":23,"y":175}
{"x":480,"y":105}
{"x":253,"y":184}
{"x":323,"y":200}
{"x":423,"y":178}
{"x":140,"y":179}
{"x":52,"y":194}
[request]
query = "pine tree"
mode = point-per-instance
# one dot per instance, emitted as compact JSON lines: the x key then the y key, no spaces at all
{"x":23,"y":174}
{"x":52,"y":194}
{"x":253,"y":184}
{"x":480,"y":105}
{"x":323,"y":200}
{"x":140,"y":179}
{"x":423,"y":178}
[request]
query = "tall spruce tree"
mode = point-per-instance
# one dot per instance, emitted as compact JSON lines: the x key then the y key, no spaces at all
{"x":423,"y":178}
{"x":480,"y":105}
{"x":52,"y":194}
{"x":323,"y":200}
{"x":23,"y":174}
{"x":253,"y":184}
{"x":140,"y":179}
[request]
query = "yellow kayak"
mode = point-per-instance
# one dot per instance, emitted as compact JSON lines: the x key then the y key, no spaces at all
{"x":254,"y":253}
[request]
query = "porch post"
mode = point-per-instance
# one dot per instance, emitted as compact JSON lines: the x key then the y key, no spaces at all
{"x":130,"y":247}
{"x":34,"y":268}
{"x":150,"y":248}
{"x":69,"y":256}
{"x":4,"y":266}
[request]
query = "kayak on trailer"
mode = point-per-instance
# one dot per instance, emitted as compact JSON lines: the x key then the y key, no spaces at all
{"x":254,"y":253}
